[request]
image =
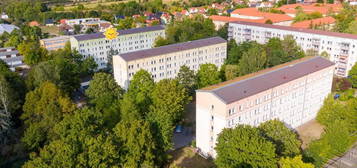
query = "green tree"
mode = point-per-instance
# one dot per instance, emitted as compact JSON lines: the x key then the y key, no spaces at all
{"x":208,"y":74}
{"x":168,"y":102}
{"x":231,"y":71}
{"x":344,"y":19}
{"x":81,"y":142}
{"x":295,"y":162}
{"x":128,"y":109}
{"x":104,"y":93}
{"x":189,"y":29}
{"x":293,"y":51}
{"x":252,"y":60}
{"x":60,"y":71}
{"x":32,"y":52}
{"x":275,"y":52}
{"x":242,"y":146}
{"x":353,"y":76}
{"x":285,"y":140}
{"x":138,"y":143}
{"x":235,"y":52}
{"x":352,"y":27}
{"x":126,"y":23}
{"x":160,"y":41}
{"x":187,"y":78}
{"x":223,"y":31}
{"x":140,"y":89}
{"x":212,"y":11}
{"x":43,"y":108}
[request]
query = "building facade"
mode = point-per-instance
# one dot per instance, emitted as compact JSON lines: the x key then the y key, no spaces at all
{"x":292,"y":92}
{"x":165,"y":62}
{"x":12,"y":58}
{"x":340,"y":47}
{"x":54,"y":43}
{"x":97,"y":46}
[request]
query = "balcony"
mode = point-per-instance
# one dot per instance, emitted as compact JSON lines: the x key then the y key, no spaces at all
{"x":344,"y":46}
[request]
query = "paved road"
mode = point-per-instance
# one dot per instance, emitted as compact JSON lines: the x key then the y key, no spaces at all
{"x":349,"y":160}
{"x":184,"y":138}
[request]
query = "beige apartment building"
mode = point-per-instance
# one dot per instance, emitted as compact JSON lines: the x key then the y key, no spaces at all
{"x":165,"y":62}
{"x":291,"y":92}
{"x":97,"y":46}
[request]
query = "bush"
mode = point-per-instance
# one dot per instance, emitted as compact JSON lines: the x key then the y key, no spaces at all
{"x":340,"y":84}
{"x":346,"y":95}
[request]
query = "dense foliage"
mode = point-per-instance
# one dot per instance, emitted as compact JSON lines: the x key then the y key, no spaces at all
{"x":242,"y":146}
{"x":339,"y":118}
{"x":188,"y":29}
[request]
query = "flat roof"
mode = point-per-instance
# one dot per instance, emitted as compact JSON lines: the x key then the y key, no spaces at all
{"x":56,"y":38}
{"x":84,"y":37}
{"x":171,"y":48}
{"x":251,"y":84}
{"x":288,"y":28}
{"x":4,"y":53}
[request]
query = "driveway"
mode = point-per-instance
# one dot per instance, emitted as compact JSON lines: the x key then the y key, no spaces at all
{"x":184,"y":138}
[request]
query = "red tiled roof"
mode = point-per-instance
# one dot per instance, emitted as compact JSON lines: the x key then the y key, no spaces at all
{"x":274,"y":17}
{"x":319,"y":21}
{"x":232,"y":19}
{"x":309,"y":8}
{"x":311,"y":31}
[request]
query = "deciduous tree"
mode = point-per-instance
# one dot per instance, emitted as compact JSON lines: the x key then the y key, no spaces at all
{"x":43,"y":108}
{"x":295,"y":162}
{"x":187,"y":78}
{"x":286,"y":141}
{"x":104,"y":93}
{"x":242,"y":146}
{"x":169,"y":100}
{"x":252,"y":60}
{"x":208,"y":74}
{"x":140,"y":89}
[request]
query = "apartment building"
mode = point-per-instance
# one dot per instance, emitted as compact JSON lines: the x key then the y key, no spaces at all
{"x":54,"y":43}
{"x":165,"y":62}
{"x":97,"y":46}
{"x":341,"y":47}
{"x":292,"y":92}
{"x":11,"y":57}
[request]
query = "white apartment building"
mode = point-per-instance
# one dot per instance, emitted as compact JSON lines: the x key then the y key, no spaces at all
{"x":72,"y":22}
{"x":97,"y":46}
{"x":165,"y":62}
{"x":292,"y":93}
{"x":341,"y":47}
{"x":12,"y":57}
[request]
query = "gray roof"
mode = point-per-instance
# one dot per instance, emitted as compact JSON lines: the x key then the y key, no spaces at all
{"x":9,"y":53}
{"x":289,"y":28}
{"x":237,"y":90}
{"x":171,"y":48}
{"x":12,"y":59}
{"x":7,"y":28}
{"x":121,"y":32}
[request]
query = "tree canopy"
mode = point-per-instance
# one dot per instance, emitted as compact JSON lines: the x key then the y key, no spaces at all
{"x":168,"y":102}
{"x":286,"y":141}
{"x":207,"y":75}
{"x":43,"y":108}
{"x":188,"y":29}
{"x":242,"y":146}
{"x":105,"y":94}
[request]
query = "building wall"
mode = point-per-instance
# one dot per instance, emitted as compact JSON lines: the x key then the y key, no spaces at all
{"x":54,"y":43}
{"x":99,"y":48}
{"x":294,"y":103}
{"x":168,"y":65}
{"x":342,"y":51}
